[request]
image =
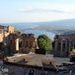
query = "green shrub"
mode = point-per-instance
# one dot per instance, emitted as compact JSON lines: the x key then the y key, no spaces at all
{"x":44,"y":43}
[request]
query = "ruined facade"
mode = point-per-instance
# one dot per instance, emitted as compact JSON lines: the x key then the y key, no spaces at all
{"x":5,"y":31}
{"x":63,"y":44}
{"x":12,"y":42}
{"x":27,"y":43}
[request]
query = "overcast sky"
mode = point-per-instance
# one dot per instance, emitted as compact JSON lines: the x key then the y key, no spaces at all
{"x":36,"y":10}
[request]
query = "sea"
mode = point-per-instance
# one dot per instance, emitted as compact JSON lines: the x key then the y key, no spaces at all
{"x":31,"y":28}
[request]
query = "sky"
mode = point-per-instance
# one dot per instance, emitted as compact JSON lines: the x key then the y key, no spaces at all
{"x":36,"y":10}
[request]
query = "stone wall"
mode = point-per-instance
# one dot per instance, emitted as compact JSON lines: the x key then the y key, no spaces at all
{"x":5,"y":32}
{"x":63,"y":44}
{"x":28,"y":43}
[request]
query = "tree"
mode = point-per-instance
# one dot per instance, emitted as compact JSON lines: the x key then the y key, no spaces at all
{"x":44,"y":43}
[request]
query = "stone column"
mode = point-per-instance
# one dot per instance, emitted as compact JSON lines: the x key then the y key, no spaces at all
{"x":56,"y":48}
{"x":73,"y":44}
{"x":17,"y":44}
{"x":55,"y":45}
{"x":69,"y":45}
{"x":61,"y":46}
{"x":66,"y":48}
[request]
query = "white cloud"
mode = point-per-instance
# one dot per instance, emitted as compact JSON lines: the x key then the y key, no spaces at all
{"x":67,"y":9}
{"x":44,"y":12}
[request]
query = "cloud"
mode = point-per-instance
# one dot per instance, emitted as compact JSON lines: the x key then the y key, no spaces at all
{"x":41,"y":10}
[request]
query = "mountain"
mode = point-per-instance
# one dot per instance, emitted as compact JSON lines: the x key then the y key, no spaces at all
{"x":62,"y":26}
{"x":68,"y":24}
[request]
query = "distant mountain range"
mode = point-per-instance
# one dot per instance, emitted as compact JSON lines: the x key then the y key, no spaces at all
{"x":63,"y":26}
{"x":55,"y":26}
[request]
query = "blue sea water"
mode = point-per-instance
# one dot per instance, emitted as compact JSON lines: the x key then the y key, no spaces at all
{"x":40,"y":32}
{"x":28,"y":28}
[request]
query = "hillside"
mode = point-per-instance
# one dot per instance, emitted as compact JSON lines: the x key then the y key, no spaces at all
{"x":57,"y":25}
